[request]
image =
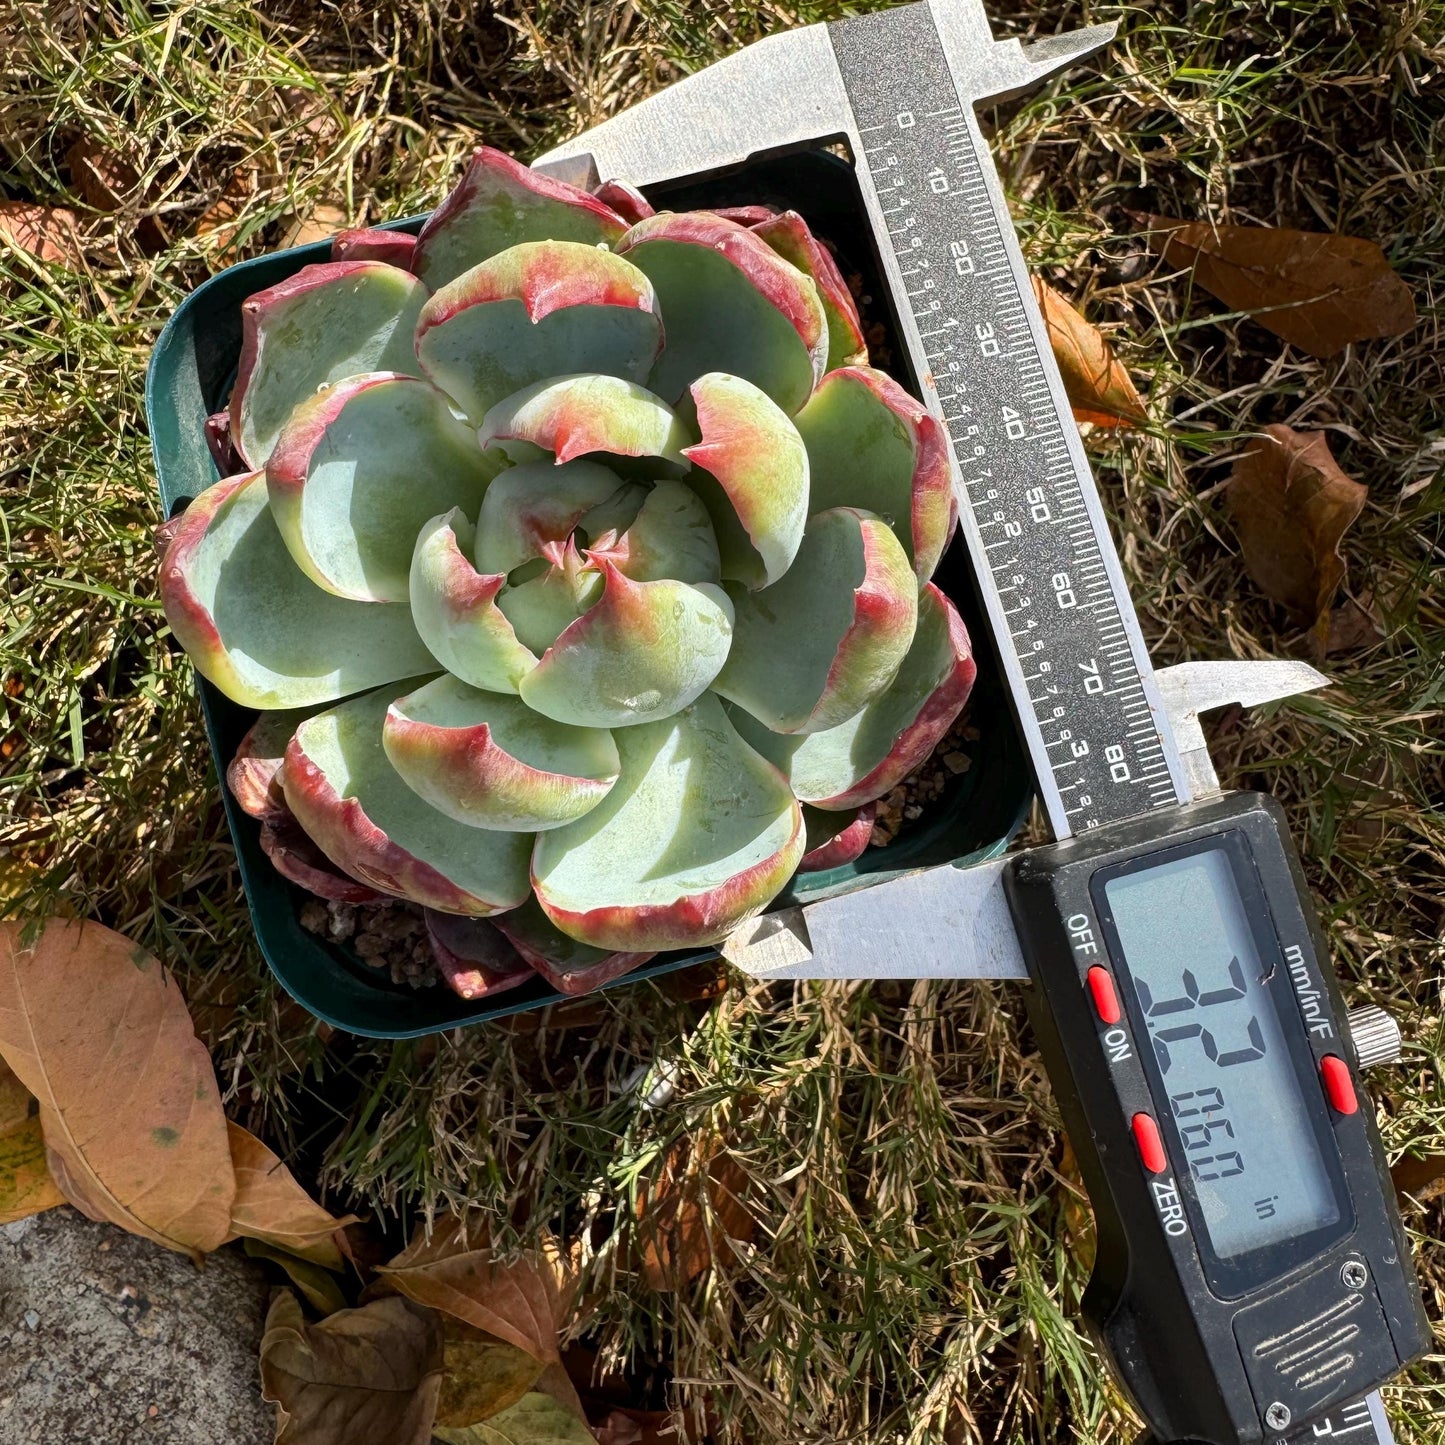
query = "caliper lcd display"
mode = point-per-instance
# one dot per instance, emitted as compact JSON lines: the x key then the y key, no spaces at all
{"x":1228,"y":1063}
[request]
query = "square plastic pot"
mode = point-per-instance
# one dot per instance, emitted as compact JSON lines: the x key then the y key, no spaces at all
{"x":190,"y":377}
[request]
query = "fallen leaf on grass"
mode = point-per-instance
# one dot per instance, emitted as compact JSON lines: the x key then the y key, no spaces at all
{"x":484,"y":1375}
{"x":25,"y":1184}
{"x":49,"y":233}
{"x":97,"y":1030}
{"x":1098,"y":387}
{"x":525,"y":1301}
{"x":689,"y":1217}
{"x":221,"y":220}
{"x":102,"y":177}
{"x":535,"y":1419}
{"x":272,"y":1207}
{"x":367,"y":1376}
{"x":638,"y":1427}
{"x":319,"y":1287}
{"x":321,"y":223}
{"x":1423,"y":1179}
{"x":1292,"y":506}
{"x":1317,"y":290}
{"x":1354,"y":626}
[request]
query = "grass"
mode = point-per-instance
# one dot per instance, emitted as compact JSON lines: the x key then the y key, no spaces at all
{"x":919,"y":1248}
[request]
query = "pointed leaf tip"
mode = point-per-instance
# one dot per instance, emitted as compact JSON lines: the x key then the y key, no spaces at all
{"x":350,"y":799}
{"x":359,"y":469}
{"x":489,"y":761}
{"x":643,"y":651}
{"x":729,"y":303}
{"x":498,"y":203}
{"x":814,"y":648}
{"x":326,"y":322}
{"x":871,"y":445}
{"x":536,"y":311}
{"x":1099,"y":388}
{"x":616,"y":881}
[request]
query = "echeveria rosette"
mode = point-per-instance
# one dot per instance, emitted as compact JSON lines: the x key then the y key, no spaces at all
{"x":580,"y":578}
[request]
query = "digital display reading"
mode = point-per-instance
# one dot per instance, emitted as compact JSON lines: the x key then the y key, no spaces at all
{"x":1232,"y":1088}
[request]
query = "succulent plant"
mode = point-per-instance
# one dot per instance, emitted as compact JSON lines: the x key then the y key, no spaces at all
{"x":578,"y":566}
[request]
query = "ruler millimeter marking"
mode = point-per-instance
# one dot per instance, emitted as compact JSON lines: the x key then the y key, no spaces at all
{"x":1050,"y":577}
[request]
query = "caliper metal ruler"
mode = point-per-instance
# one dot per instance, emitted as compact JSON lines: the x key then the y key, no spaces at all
{"x":1264,"y":1316}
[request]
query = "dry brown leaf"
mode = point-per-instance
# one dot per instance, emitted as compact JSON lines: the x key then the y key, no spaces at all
{"x":25,"y":1184}
{"x":1292,"y":506}
{"x":535,"y":1419}
{"x":321,"y":223}
{"x":1317,"y":290}
{"x":319,"y":1287}
{"x":484,"y":1375}
{"x":49,"y":233}
{"x":638,"y":1427}
{"x":221,"y":220}
{"x":1422,"y":1179}
{"x":525,"y":1301}
{"x":368,"y":1376}
{"x":102,"y":177}
{"x":688,"y":1219}
{"x":272,"y":1207}
{"x":96,"y":1029}
{"x":1354,"y":625}
{"x":1098,"y":387}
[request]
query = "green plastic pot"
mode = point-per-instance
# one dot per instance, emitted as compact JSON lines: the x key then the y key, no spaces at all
{"x":190,"y":377}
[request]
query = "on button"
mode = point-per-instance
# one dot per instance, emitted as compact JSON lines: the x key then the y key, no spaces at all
{"x":1101,"y":990}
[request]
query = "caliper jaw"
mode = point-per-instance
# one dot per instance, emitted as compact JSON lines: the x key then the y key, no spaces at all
{"x":786,"y":92}
{"x":949,"y":922}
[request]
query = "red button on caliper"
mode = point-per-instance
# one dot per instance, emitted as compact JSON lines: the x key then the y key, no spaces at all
{"x":1339,"y":1086}
{"x":1151,"y":1146}
{"x":1101,"y":990}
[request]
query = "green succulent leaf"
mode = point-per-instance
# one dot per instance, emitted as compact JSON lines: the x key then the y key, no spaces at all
{"x":346,"y":794}
{"x":642,"y":652}
{"x":671,"y":537}
{"x":531,"y":509}
{"x":729,"y":303}
{"x":499,"y":203}
{"x":253,"y":774}
{"x":256,"y":626}
{"x":474,"y":960}
{"x":873,"y":751}
{"x":751,"y":471}
{"x":487,"y":760}
{"x":697,"y":834}
{"x":536,"y":311}
{"x":544,"y":605}
{"x":788,"y":234}
{"x":816,"y":646}
{"x":627,"y":201}
{"x":359,"y":469}
{"x":296,"y":857}
{"x":455,"y":609}
{"x":871,"y":445}
{"x":571,"y":416}
{"x":378,"y":243}
{"x":569,"y":966}
{"x":324,"y":323}
{"x":615,"y":515}
{"x":834,"y":838}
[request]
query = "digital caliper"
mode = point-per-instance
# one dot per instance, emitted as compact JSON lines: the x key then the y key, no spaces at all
{"x":1253,"y":1281}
